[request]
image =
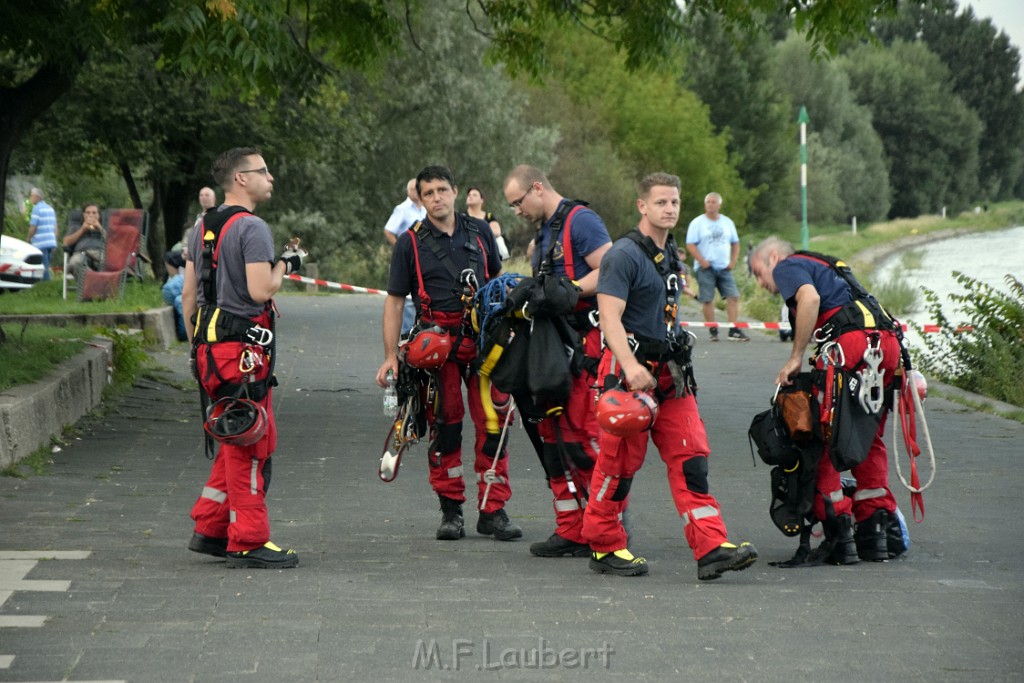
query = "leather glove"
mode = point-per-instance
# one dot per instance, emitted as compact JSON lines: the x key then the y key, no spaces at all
{"x":292,"y":257}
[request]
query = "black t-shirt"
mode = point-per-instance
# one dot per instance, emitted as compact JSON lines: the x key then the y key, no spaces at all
{"x":439,"y":283}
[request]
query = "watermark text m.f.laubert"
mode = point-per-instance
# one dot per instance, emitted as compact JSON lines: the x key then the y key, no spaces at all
{"x":486,"y":656}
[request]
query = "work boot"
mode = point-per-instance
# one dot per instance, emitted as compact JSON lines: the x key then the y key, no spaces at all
{"x":838,"y":546}
{"x":267,"y":556}
{"x":208,"y":545}
{"x":621,"y":562}
{"x":498,"y":524}
{"x":452,"y":527}
{"x":871,"y":539}
{"x":726,"y":558}
{"x":559,"y":546}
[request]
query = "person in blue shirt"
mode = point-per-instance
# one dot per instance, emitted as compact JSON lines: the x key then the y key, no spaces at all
{"x":42,"y":229}
{"x":571,"y":240}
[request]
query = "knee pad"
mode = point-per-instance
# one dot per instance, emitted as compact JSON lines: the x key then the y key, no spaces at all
{"x":552,"y":461}
{"x":578,"y":457}
{"x":695,"y":471}
{"x":449,"y":438}
{"x":622,"y":489}
{"x":266,"y":475}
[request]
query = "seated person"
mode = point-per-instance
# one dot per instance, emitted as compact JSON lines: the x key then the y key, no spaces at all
{"x":88,"y":242}
{"x":174,"y":260}
{"x":172,"y":297}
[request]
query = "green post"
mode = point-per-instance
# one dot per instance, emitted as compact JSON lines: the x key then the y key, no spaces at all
{"x":805,"y":236}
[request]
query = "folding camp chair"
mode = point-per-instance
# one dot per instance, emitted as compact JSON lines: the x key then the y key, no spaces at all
{"x":74,"y":223}
{"x":122,"y":244}
{"x":140,"y":220}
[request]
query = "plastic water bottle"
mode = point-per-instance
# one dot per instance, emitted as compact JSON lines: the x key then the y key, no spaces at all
{"x":390,"y":395}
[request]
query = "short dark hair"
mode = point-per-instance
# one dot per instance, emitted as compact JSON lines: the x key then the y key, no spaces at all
{"x":227,"y":164}
{"x":88,"y":204}
{"x":479,"y":191}
{"x":658,"y":180}
{"x":435,"y":173}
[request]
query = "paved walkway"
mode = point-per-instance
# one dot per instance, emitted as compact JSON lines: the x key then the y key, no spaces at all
{"x":96,"y":583}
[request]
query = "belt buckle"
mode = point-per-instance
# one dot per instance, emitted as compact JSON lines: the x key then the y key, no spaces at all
{"x":258,"y":334}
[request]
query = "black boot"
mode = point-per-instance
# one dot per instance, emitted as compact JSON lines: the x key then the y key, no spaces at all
{"x":872,"y":543}
{"x":498,"y":524}
{"x":452,"y":526}
{"x":838,"y":547}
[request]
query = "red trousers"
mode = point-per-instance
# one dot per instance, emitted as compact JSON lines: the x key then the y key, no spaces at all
{"x":873,"y":474}
{"x":233,"y":501}
{"x":446,"y":474}
{"x":678,"y":433}
{"x":579,"y":433}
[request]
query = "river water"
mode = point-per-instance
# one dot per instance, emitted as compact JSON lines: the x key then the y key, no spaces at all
{"x":987,"y":257}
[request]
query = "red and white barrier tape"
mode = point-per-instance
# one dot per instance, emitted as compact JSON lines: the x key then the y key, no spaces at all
{"x":689,"y":323}
{"x":335,"y":285}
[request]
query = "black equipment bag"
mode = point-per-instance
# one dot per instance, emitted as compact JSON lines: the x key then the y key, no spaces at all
{"x":853,"y":428}
{"x":768,"y":432}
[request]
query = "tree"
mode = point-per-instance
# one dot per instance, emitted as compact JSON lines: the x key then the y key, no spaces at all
{"x":930,"y":136}
{"x":847,"y":167}
{"x":733,"y":78}
{"x":983,"y":67}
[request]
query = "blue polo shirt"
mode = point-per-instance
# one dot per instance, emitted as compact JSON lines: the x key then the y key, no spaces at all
{"x":587,"y":233}
{"x":628,"y":273}
{"x":793,"y":272}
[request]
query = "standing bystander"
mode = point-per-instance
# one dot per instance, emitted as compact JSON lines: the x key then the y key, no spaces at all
{"x":715,"y":246}
{"x":403,"y":217}
{"x":42,"y":228}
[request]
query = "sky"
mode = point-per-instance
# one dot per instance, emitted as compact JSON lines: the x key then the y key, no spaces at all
{"x":1006,"y":15}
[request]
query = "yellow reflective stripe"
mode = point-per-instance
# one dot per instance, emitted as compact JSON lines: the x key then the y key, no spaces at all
{"x":869,"y":320}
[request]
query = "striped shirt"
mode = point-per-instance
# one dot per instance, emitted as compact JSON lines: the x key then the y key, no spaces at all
{"x":45,"y":220}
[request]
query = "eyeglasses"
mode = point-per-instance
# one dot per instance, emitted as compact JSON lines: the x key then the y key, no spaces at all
{"x":516,"y":203}
{"x":261,"y":171}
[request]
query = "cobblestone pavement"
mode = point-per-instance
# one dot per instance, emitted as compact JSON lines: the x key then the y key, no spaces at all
{"x":96,"y":583}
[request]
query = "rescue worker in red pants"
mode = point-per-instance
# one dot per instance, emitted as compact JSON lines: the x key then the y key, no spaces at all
{"x":637,"y":295}
{"x":571,"y":240}
{"x":230,"y":279}
{"x":825,"y":309}
{"x":441,"y":261}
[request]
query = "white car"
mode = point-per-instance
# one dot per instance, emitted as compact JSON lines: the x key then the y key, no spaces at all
{"x":21,"y":264}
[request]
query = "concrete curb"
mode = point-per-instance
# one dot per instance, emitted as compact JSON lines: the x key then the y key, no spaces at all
{"x":157,"y":324}
{"x":31,"y":415}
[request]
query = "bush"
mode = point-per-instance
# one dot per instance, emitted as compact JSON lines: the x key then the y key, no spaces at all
{"x":987,"y":359}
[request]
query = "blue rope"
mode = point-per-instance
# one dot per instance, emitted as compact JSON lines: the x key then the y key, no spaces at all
{"x":489,"y":300}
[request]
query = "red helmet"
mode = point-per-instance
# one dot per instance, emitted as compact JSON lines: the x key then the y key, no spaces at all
{"x":237,"y":421}
{"x":625,"y":413}
{"x":428,"y":349}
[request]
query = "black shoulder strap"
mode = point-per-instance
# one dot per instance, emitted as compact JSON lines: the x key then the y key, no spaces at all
{"x":426,"y":236}
{"x":840,"y":268}
{"x":546,"y":263}
{"x":212,"y":225}
{"x":666,"y":264}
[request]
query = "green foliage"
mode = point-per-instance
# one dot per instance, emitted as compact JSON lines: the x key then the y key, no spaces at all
{"x":848,"y":174}
{"x":129,"y":355}
{"x":987,"y":359}
{"x":983,"y":67}
{"x":930,"y":137}
{"x":45,"y":297}
{"x":32,"y":350}
{"x":750,"y":109}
